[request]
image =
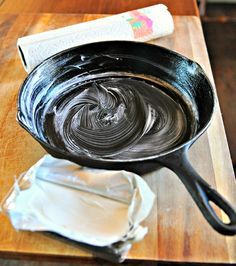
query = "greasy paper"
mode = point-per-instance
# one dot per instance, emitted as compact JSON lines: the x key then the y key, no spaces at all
{"x":105,"y":208}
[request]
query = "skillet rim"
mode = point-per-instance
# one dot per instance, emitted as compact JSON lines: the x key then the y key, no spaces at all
{"x":65,"y":154}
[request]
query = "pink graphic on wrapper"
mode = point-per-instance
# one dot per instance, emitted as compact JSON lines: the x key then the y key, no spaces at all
{"x":140,"y":23}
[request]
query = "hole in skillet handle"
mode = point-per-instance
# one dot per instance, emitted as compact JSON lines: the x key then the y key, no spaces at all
{"x":201,"y":192}
{"x":219,"y":212}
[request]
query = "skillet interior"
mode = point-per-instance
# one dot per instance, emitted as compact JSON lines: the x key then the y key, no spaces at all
{"x":132,"y":91}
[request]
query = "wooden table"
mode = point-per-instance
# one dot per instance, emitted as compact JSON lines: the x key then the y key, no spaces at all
{"x":182,"y":7}
{"x":177,"y":230}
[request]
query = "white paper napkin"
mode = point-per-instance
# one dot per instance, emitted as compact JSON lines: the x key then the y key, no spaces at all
{"x":138,"y":25}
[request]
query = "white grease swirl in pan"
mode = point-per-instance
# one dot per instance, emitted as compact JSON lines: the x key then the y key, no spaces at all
{"x":116,"y":117}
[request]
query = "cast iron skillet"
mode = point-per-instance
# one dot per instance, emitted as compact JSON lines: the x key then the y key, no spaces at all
{"x":90,"y":104}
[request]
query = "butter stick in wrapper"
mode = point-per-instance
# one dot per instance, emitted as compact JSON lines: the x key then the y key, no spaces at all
{"x":81,"y":204}
{"x":138,"y":25}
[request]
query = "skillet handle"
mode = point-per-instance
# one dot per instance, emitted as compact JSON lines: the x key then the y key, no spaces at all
{"x":202,"y":193}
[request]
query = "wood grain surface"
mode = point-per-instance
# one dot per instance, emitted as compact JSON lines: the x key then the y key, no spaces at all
{"x":183,"y":7}
{"x":177,"y":230}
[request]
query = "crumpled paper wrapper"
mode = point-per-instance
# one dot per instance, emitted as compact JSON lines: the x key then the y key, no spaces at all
{"x":99,"y":208}
{"x":138,"y":25}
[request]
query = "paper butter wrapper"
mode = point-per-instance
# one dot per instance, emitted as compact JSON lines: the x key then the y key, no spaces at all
{"x":138,"y":25}
{"x":105,"y":208}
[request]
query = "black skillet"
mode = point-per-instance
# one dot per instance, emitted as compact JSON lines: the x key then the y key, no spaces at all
{"x":124,"y":105}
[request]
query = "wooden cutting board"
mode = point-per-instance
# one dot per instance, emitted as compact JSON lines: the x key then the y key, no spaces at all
{"x":177,"y":230}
